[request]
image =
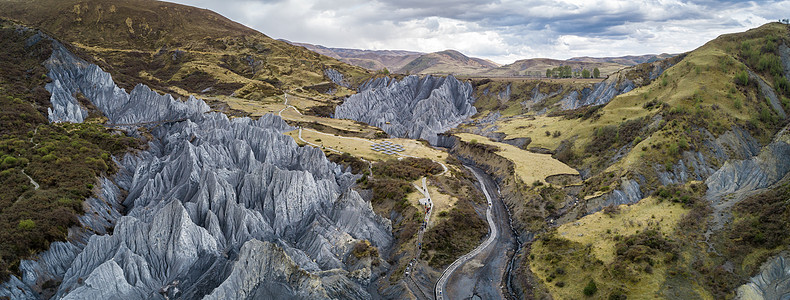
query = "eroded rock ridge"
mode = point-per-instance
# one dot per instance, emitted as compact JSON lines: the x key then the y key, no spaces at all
{"x":416,"y":108}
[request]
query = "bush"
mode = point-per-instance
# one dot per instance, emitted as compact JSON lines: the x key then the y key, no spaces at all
{"x":782,"y":85}
{"x":9,"y":161}
{"x":771,"y":63}
{"x":591,"y":288}
{"x":27,"y":224}
{"x":742,"y":78}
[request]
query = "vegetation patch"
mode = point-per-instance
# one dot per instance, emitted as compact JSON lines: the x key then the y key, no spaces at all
{"x":624,"y":252}
{"x":460,"y":231}
{"x":63,"y":159}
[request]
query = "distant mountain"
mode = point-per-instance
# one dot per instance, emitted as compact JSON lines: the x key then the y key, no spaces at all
{"x":447,"y":62}
{"x":368,"y":59}
{"x":628,"y":60}
{"x":536,"y":67}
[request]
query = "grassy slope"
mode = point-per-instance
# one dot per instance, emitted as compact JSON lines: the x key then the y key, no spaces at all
{"x":176,"y":48}
{"x":530,"y":167}
{"x":65,"y":159}
{"x":360,"y":147}
{"x":700,"y":93}
{"x":593,"y":239}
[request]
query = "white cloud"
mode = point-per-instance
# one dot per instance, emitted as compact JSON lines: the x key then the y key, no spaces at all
{"x":503,"y":30}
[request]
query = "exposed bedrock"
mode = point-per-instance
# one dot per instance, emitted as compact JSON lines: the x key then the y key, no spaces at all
{"x":209,"y":199}
{"x":628,"y":193}
{"x":417,"y":108}
{"x":601,"y":93}
{"x":773,"y":281}
{"x":336,"y":77}
{"x":71,"y":75}
{"x":618,"y":83}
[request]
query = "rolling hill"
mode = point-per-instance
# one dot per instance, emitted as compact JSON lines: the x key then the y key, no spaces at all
{"x":373,"y":60}
{"x":178,"y":49}
{"x":446,"y":62}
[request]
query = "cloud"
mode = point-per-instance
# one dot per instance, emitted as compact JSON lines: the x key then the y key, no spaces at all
{"x":503,"y":30}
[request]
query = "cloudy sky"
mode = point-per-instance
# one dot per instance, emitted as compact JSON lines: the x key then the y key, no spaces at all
{"x":502,"y":30}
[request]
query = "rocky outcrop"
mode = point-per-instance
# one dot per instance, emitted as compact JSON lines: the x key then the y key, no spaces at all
{"x":71,"y":75}
{"x":768,"y":93}
{"x":336,"y":77}
{"x":417,"y":108}
{"x":628,"y":193}
{"x":736,"y":144}
{"x":538,"y":98}
{"x":773,"y":281}
{"x":784,"y":54}
{"x":600,"y":93}
{"x":215,"y":208}
{"x":762,"y":170}
{"x":618,"y":83}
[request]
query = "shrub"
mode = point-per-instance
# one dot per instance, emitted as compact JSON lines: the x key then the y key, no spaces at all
{"x":771,"y":63}
{"x":782,"y":85}
{"x":9,"y":161}
{"x":27,"y":224}
{"x":591,"y":288}
{"x":737,"y":104}
{"x":742,"y":78}
{"x":49,"y":157}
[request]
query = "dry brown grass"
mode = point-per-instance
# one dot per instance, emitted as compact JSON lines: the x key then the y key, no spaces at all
{"x":360,"y":147}
{"x":530,"y":167}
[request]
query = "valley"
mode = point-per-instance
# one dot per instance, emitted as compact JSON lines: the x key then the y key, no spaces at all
{"x":210,"y":161}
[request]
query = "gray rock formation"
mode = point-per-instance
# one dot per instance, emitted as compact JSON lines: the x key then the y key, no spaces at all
{"x":601,"y":93}
{"x":768,"y":92}
{"x":762,"y":170}
{"x":736,"y":144}
{"x":784,"y":54}
{"x":71,"y":75}
{"x":773,"y":281}
{"x":628,"y":193}
{"x":618,"y":83}
{"x":417,"y":108}
{"x":216,"y":208}
{"x":537,"y":97}
{"x":336,"y":77}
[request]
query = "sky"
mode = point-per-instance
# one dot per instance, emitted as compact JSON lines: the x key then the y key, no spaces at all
{"x":502,"y":30}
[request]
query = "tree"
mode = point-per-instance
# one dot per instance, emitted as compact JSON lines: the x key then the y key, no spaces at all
{"x":585,"y":73}
{"x":591,"y":288}
{"x":548,"y":73}
{"x":596,"y":73}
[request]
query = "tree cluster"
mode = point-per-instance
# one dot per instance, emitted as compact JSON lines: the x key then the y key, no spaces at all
{"x":568,"y":72}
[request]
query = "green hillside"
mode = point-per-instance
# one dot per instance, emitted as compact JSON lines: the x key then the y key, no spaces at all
{"x":46,"y":169}
{"x":657,"y":248}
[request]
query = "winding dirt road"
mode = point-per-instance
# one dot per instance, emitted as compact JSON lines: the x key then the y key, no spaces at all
{"x":480,"y":274}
